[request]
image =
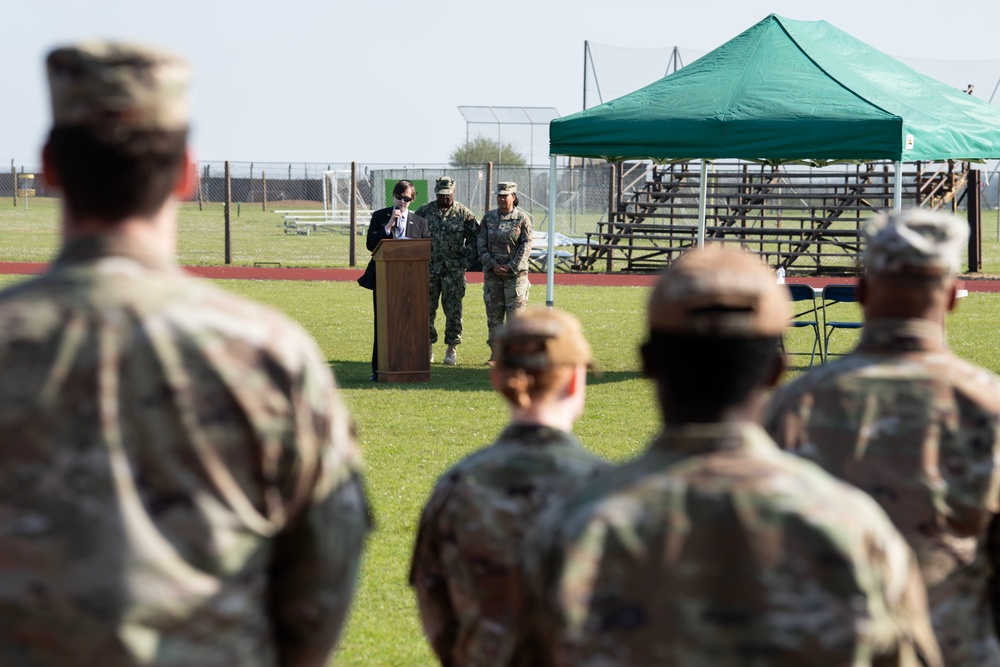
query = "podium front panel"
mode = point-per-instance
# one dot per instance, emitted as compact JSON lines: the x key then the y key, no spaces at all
{"x":401,"y":276}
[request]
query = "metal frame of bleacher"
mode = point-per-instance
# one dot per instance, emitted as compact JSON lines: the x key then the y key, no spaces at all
{"x":808,"y":221}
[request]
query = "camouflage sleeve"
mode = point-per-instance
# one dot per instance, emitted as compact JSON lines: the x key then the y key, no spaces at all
{"x":316,"y":556}
{"x":535,"y":630}
{"x":993,"y":554}
{"x":919,"y":645}
{"x":519,"y":260}
{"x":427,"y":577}
{"x":483,"y":246}
{"x":471,"y":239}
{"x":313,"y":575}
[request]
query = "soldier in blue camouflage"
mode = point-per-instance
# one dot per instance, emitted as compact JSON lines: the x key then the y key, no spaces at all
{"x":714,"y":548}
{"x":453,"y":230}
{"x":504,"y":244}
{"x":918,"y":428}
{"x":180,"y":480}
{"x":466,"y":563}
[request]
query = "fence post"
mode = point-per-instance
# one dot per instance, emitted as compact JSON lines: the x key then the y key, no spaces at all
{"x":228,"y":206}
{"x":352,"y":256}
{"x":202,"y":175}
{"x":974,"y":209}
{"x":13,"y":179}
{"x":489,"y":186}
{"x":263,"y":194}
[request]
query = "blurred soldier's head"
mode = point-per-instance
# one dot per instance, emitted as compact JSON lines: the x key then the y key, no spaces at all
{"x":444,"y":189}
{"x":118,"y":144}
{"x":911,"y":259}
{"x":542,"y":359}
{"x":716,"y":317}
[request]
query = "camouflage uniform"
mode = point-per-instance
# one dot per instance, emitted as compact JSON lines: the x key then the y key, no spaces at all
{"x":919,"y":429}
{"x":453,"y":250}
{"x":504,"y":240}
{"x":180,"y":477}
{"x":466,"y":564}
{"x":467,"y":560}
{"x":716,"y":549}
{"x":905,"y":420}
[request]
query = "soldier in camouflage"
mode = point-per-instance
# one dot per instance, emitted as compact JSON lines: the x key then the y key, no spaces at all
{"x":466,"y":563}
{"x":453,"y":230}
{"x":180,"y":478}
{"x":714,"y":548}
{"x":918,"y":428}
{"x":504,"y":244}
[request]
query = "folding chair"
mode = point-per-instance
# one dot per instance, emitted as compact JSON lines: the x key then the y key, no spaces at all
{"x":832,"y":295}
{"x":808,"y":318}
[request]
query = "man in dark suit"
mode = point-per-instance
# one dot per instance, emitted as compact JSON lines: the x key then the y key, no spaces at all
{"x":395,"y":222}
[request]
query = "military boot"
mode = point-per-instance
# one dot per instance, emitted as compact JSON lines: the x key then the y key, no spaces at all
{"x":449,"y":356}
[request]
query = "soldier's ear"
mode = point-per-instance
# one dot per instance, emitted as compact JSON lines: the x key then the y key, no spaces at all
{"x":48,"y":169}
{"x":777,"y":369}
{"x":187,"y":176}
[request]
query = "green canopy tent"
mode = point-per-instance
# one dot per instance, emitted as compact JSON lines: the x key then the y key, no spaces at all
{"x":785,"y":91}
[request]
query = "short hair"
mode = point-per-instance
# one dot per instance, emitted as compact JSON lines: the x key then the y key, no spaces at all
{"x":401,"y":187}
{"x":709,"y":371}
{"x":114,"y":173}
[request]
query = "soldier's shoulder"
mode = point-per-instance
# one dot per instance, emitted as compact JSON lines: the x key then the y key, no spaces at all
{"x":463,"y":210}
{"x":426,"y":209}
{"x":975,"y":382}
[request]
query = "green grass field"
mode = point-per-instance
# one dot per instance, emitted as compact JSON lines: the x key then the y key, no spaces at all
{"x":406,"y":449}
{"x":258,"y":237}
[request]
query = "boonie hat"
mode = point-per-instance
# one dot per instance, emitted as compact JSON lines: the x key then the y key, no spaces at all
{"x":719,"y":292}
{"x":102,"y":84}
{"x":444,"y":186}
{"x":507,"y":188}
{"x":560,"y":333}
{"x":915,"y":241}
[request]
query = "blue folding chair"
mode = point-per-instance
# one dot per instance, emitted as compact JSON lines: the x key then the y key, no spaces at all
{"x":832,"y":295}
{"x":806,"y":295}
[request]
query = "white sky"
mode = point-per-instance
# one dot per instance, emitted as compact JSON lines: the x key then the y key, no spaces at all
{"x":380,"y":81}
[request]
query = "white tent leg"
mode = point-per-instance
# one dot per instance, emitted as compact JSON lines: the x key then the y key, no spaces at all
{"x":702,"y":203}
{"x":897,"y":186}
{"x":550,"y":263}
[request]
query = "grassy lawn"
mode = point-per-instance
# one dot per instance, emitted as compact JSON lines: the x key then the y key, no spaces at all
{"x":406,"y":448}
{"x":258,"y":236}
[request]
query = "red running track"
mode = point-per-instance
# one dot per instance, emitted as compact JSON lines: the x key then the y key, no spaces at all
{"x":973,"y":284}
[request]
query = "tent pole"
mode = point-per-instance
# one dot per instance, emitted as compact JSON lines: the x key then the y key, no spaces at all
{"x":550,"y":264}
{"x":897,"y":187}
{"x":702,"y":201}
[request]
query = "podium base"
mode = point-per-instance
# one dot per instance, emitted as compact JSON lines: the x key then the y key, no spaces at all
{"x":404,"y":376}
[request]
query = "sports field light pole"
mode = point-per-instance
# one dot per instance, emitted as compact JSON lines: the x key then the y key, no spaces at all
{"x":550,"y":264}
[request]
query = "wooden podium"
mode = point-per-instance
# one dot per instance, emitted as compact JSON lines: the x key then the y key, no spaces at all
{"x":403,"y":325}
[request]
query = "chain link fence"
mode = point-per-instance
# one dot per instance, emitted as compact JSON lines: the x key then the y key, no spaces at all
{"x":299,"y":215}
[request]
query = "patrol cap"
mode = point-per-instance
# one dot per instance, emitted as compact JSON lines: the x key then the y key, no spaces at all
{"x":444,"y":186}
{"x":560,"y":333}
{"x":507,"y":188}
{"x":916,"y":241}
{"x":102,"y":84}
{"x":719,"y":292}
